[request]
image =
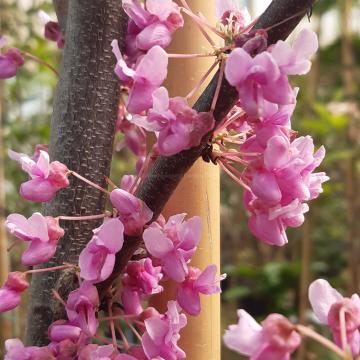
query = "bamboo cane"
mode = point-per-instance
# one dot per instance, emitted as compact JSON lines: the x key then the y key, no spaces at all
{"x":197,"y":194}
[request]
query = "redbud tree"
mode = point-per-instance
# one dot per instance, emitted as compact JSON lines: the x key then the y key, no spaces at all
{"x":101,"y":248}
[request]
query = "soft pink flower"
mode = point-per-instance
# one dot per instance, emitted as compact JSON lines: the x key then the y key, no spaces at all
{"x":140,"y":278}
{"x":155,"y":24}
{"x":52,"y":29}
{"x":15,"y":350}
{"x":174,"y":244}
{"x":97,"y":259}
{"x":281,"y":182}
{"x":81,"y":307}
{"x":275,"y":339}
{"x":63,"y":330}
{"x":42,"y":232}
{"x":148,"y":75}
{"x":96,"y":352}
{"x":196,"y":283}
{"x":10,"y":61}
{"x":179,"y":126}
{"x":133,"y":212}
{"x":295,"y":60}
{"x":10,"y":293}
{"x":45,"y":178}
{"x":162,"y":334}
{"x":257,"y":79}
{"x":327,"y":304}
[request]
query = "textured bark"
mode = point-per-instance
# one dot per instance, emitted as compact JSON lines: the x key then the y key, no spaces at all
{"x":167,"y":172}
{"x":61,"y":9}
{"x":82,"y":131}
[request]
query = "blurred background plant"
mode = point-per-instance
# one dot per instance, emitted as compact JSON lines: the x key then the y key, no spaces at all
{"x":261,"y":279}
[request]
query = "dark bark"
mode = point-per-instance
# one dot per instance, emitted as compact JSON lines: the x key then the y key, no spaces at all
{"x":82,"y":131}
{"x":61,"y":9}
{"x":167,"y":172}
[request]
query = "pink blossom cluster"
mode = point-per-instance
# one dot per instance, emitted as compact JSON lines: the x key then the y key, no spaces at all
{"x":278,"y":168}
{"x":277,"y":338}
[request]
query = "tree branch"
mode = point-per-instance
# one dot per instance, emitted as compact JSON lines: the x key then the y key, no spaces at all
{"x":82,"y":131}
{"x":167,"y":172}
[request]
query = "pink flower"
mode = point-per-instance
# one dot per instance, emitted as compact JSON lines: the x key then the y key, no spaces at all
{"x":10,"y":293}
{"x":96,"y":352}
{"x":63,"y":330}
{"x":10,"y":61}
{"x":154,"y":24}
{"x":275,"y":339}
{"x":81,"y":307}
{"x":45,"y":178}
{"x":42,"y":232}
{"x":150,"y":72}
{"x":52,"y":29}
{"x":133,"y":212}
{"x":179,"y":126}
{"x":97,"y":259}
{"x":196,"y":283}
{"x":140,"y":278}
{"x":15,"y":350}
{"x":327,"y":304}
{"x":295,"y":60}
{"x":257,"y":79}
{"x":162,"y":334}
{"x":281,"y":182}
{"x":174,"y":244}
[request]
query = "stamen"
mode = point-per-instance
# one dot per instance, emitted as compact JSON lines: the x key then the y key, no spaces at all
{"x":188,"y":56}
{"x":112,"y":325}
{"x":123,"y":338}
{"x":83,"y":218}
{"x":55,"y":268}
{"x":88,"y":182}
{"x":201,"y":81}
{"x":40,"y":61}
{"x":305,"y":331}
{"x":218,"y":85}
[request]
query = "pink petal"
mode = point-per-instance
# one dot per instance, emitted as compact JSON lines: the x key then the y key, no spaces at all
{"x":38,"y":190}
{"x":161,"y":9}
{"x":245,"y":337}
{"x":160,"y":100}
{"x":190,"y":233}
{"x":38,"y":252}
{"x":37,"y":227}
{"x":264,"y":185}
{"x":175,"y":267}
{"x":111,"y":235}
{"x":322,"y":296}
{"x":157,"y":243}
{"x":189,"y":300}
{"x":279,"y":92}
{"x":306,"y":43}
{"x":43,"y":163}
{"x":277,"y":153}
{"x":136,"y":12}
{"x":237,"y":66}
{"x":153,"y":66}
{"x":9,"y":299}
{"x":7,"y":67}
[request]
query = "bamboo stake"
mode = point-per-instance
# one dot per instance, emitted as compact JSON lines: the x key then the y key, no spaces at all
{"x":197,"y":194}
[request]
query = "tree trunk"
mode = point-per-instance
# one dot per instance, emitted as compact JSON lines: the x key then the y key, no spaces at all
{"x":82,"y":131}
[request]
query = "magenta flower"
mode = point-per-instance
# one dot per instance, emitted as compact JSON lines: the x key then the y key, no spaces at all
{"x":97,"y":259}
{"x":140,"y":278}
{"x":295,"y":60}
{"x":63,"y":330}
{"x":275,"y":339}
{"x":174,"y":244}
{"x":148,"y":75}
{"x":45,"y":178}
{"x":162,"y":334}
{"x":15,"y":350}
{"x":10,"y":61}
{"x":81,"y":307}
{"x":52,"y":29}
{"x":179,"y":126}
{"x":196,"y":283}
{"x":43,"y":233}
{"x":281,"y":182}
{"x":257,"y":79}
{"x":154,"y":24}
{"x":133,"y":212}
{"x":96,"y":352}
{"x":327,"y":304}
{"x":10,"y":293}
